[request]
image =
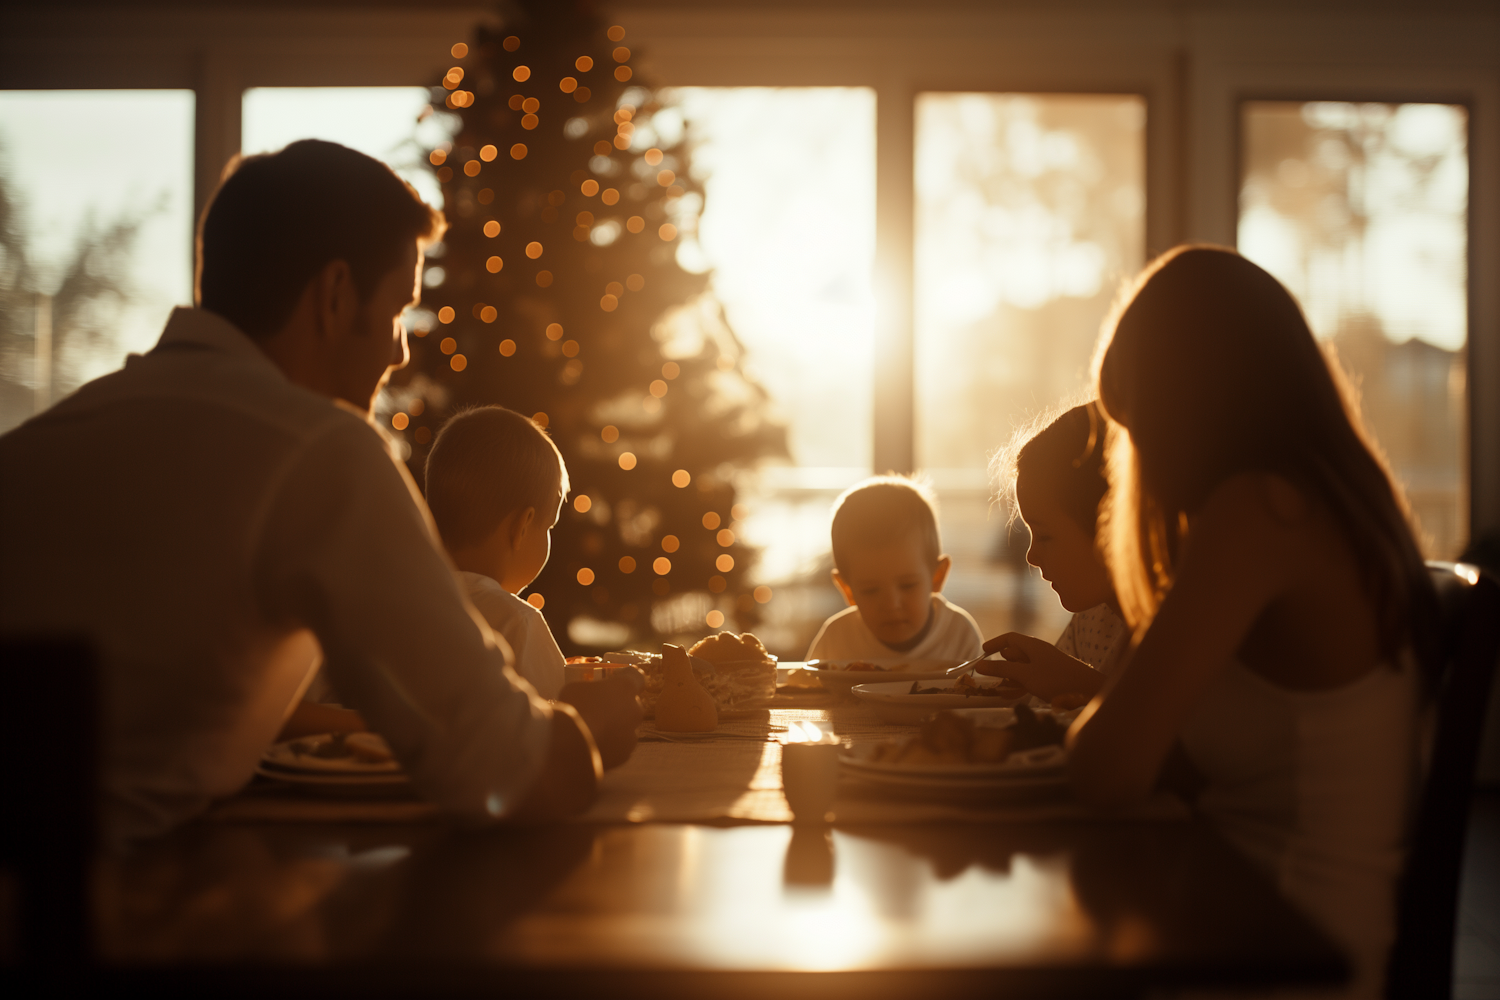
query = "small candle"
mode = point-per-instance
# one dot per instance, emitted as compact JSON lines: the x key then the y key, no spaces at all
{"x":809,"y":771}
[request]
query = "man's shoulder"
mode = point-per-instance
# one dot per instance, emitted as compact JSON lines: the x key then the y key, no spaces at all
{"x":845,"y":622}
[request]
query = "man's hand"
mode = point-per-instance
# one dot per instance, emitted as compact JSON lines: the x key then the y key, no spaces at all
{"x":1041,"y":667}
{"x":611,"y":711}
{"x":570,"y":776}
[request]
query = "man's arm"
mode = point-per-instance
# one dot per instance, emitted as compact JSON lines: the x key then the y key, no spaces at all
{"x":346,"y":548}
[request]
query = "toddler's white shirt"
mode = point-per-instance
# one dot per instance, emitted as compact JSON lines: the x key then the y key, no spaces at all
{"x":952,"y":636}
{"x":1096,"y":636}
{"x":537,"y":657}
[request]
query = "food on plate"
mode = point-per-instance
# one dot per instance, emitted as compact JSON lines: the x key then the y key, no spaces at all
{"x":967,"y":687}
{"x":1068,"y":702}
{"x":726,"y":647}
{"x":953,"y":739}
{"x":684,"y":706}
{"x":735,"y":686}
{"x":369,"y":748}
{"x":858,"y":665}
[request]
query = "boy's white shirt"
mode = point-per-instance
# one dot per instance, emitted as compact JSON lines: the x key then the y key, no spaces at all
{"x":1097,"y":636}
{"x":538,"y":658}
{"x":952,"y":636}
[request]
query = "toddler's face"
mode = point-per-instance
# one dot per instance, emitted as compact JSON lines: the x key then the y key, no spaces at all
{"x":892,"y":586}
{"x":533,"y":549}
{"x":1065,"y":554}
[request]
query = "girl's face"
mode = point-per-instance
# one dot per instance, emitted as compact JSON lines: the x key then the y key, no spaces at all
{"x":1064,"y":552}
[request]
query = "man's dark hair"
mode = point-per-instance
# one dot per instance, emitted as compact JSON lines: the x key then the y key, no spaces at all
{"x":277,"y":219}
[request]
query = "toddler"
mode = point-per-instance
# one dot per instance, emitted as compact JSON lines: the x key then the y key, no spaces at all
{"x":888,"y":564}
{"x":1059,"y":482}
{"x":495,"y":485}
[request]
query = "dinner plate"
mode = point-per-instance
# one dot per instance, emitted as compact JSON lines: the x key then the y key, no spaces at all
{"x":301,"y":756}
{"x":835,"y":677}
{"x":333,"y":780}
{"x":1024,"y":765}
{"x":894,"y":702}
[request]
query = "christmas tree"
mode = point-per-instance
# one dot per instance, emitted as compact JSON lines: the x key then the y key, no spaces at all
{"x":557,"y":293}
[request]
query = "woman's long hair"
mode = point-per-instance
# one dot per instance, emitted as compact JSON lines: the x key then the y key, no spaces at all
{"x":1208,"y":369}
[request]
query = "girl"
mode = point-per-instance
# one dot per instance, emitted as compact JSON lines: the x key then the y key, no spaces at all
{"x":1059,"y":481}
{"x":1262,"y":555}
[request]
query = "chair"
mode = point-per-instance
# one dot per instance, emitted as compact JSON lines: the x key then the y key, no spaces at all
{"x":49,"y":739}
{"x":1421,"y":963}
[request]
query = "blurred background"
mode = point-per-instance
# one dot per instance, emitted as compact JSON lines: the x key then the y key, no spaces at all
{"x":917,"y":271}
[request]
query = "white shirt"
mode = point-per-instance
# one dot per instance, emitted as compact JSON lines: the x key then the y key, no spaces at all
{"x":522,"y":626}
{"x":215,"y":529}
{"x":1096,"y":636}
{"x":952,"y":636}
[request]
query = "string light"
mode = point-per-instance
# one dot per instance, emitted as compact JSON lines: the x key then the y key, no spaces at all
{"x":667,"y":232}
{"x":635,"y":282}
{"x":609,"y":433}
{"x":521,"y":74}
{"x":399,"y":421}
{"x":653,"y":156}
{"x":459,"y":50}
{"x":488,"y":153}
{"x":458,"y":362}
{"x":570,"y":349}
{"x":671,"y":370}
{"x":530,"y":121}
{"x":610,"y":196}
{"x":518,"y":151}
{"x":533,"y":250}
{"x":582,"y":503}
{"x":725,"y":537}
{"x":616,"y":33}
{"x":567,"y":85}
{"x":554,"y":331}
{"x":531,"y":105}
{"x":445,"y":315}
{"x":488,"y":314}
{"x":681,"y":478}
{"x":543,"y":279}
{"x":536,"y":601}
{"x":589,"y":188}
{"x":541,"y":418}
{"x":711,"y":520}
{"x":585,"y":576}
{"x":724,"y":563}
{"x":627,"y":460}
{"x":448,"y":345}
{"x":762,"y":594}
{"x":492,"y":229}
{"x":658,"y":388}
{"x":670,"y":543}
{"x":714,"y":619}
{"x":511,"y":43}
{"x":661,"y":566}
{"x":609,"y":303}
{"x":507,"y":348}
{"x":493,"y":265}
{"x":635,"y":223}
{"x":665,"y":178}
{"x":437,"y":156}
{"x":622,"y":73}
{"x":583,"y":64}
{"x":627,"y":564}
{"x":472,"y":168}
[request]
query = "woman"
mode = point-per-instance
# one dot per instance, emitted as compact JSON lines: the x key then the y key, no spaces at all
{"x":1263,"y":560}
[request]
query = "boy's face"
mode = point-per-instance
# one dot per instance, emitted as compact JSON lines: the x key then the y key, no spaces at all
{"x":892,"y":585}
{"x":1065,"y":553}
{"x":533,"y":548}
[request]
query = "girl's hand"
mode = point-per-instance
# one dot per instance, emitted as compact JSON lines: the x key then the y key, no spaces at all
{"x":1040,"y":667}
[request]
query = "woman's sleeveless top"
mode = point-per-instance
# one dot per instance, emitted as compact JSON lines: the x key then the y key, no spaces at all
{"x":1317,"y":788}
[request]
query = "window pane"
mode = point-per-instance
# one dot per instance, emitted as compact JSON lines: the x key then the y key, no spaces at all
{"x":384,"y":122}
{"x":96,"y":230}
{"x":788,"y":228}
{"x":1030,"y":212}
{"x":1361,"y":210}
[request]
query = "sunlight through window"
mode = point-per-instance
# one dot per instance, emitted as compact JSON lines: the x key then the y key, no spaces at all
{"x":1361,"y":210}
{"x":1030,"y":212}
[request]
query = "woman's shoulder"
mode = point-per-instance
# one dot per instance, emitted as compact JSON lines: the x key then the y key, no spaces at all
{"x":1265,"y":499}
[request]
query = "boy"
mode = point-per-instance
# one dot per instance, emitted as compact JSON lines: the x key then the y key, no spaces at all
{"x":495,"y":485}
{"x":888,"y":563}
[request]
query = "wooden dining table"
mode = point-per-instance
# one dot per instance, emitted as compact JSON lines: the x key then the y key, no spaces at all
{"x":1018,"y":898}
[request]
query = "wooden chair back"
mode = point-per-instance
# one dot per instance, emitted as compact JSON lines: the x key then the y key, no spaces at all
{"x":1421,"y":963}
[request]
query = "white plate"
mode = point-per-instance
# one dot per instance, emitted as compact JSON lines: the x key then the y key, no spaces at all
{"x":895,"y":703}
{"x":1024,"y":765}
{"x":834,"y":678}
{"x":296,"y":756}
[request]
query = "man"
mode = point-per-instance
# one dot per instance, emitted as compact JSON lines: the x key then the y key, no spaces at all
{"x":220,"y":515}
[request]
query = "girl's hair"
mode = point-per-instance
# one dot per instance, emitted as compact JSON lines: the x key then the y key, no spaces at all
{"x":1208,"y":369}
{"x":1064,"y":459}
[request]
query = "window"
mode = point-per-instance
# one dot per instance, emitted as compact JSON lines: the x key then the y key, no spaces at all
{"x":788,"y":227}
{"x":1361,"y":210}
{"x":1030,"y":212}
{"x":96,"y":229}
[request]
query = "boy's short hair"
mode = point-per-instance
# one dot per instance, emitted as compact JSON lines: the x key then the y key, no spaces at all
{"x":485,"y":464}
{"x":881,"y":510}
{"x":277,"y":219}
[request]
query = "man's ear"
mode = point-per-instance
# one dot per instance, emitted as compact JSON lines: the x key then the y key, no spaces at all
{"x":337,"y":299}
{"x":940,"y":573}
{"x":844,"y":588}
{"x":522,"y":521}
